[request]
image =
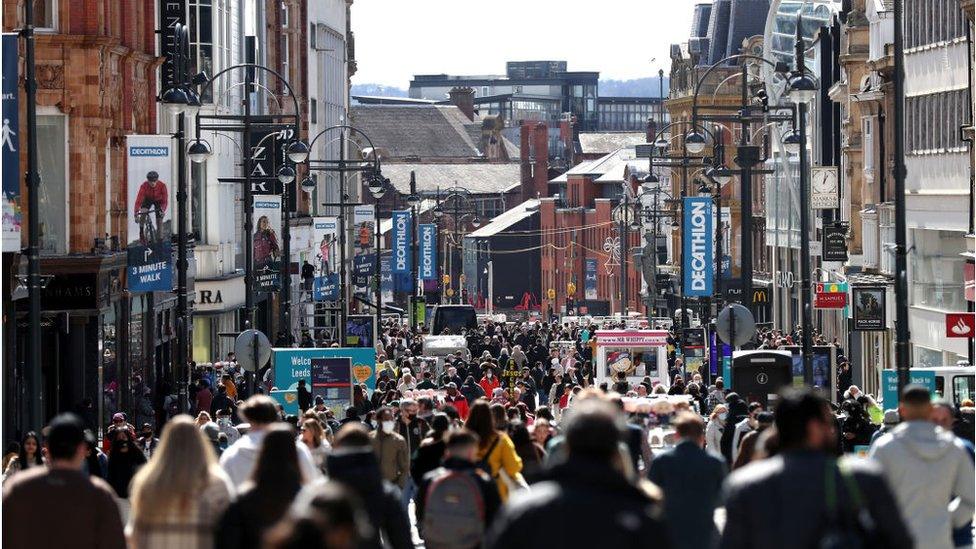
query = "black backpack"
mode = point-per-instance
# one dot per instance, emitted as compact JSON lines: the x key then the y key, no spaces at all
{"x":454,"y":512}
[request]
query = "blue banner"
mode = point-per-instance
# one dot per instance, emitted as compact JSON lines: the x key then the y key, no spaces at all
{"x":151,"y":267}
{"x":402,"y":238}
{"x":428,"y":251}
{"x":362,"y":268}
{"x":698,"y":235}
{"x":11,"y":146}
{"x":326,"y":288}
{"x":590,"y":280}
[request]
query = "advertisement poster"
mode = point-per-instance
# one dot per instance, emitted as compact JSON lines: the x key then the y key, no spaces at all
{"x":402,"y":237}
{"x":428,"y":251}
{"x":325,"y":236}
{"x":889,"y":385}
{"x":697,"y":246}
{"x":363,"y":218}
{"x":869,"y":309}
{"x":332,"y":380}
{"x":11,"y":146}
{"x":386,"y":280}
{"x":150,"y":218}
{"x":360,"y":330}
{"x":267,"y":253}
{"x":590,"y":282}
{"x":290,"y":365}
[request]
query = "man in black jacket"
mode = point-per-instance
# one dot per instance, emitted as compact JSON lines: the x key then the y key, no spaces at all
{"x":784,"y":500}
{"x":588,"y":488}
{"x":459,"y":456}
{"x":353,"y":463}
{"x":691,"y":479}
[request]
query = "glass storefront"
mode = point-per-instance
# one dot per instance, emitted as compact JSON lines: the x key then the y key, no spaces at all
{"x":937,"y":269}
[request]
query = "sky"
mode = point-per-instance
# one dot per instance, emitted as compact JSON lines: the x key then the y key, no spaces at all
{"x":622,"y":39}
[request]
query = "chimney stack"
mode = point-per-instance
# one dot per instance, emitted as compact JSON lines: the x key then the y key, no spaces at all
{"x":463,"y":98}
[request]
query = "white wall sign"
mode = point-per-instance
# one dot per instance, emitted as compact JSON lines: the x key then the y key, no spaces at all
{"x":824,"y":188}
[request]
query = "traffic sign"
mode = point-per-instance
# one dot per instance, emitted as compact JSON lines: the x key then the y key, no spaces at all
{"x":253,"y":350}
{"x":960,"y":325}
{"x":735,"y":320}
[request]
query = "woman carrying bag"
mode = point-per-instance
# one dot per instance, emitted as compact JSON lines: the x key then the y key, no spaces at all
{"x":496,"y":452}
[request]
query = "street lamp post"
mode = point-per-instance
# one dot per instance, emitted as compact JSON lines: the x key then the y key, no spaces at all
{"x":377,"y":188}
{"x":413,"y":200}
{"x":802,"y":90}
{"x":903,"y":359}
{"x":35,"y":408}
{"x":458,"y":214}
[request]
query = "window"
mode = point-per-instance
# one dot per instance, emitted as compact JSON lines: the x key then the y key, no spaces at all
{"x":198,"y":204}
{"x":868,"y":143}
{"x":311,"y":35}
{"x":45,"y":15}
{"x":963,"y":387}
{"x":313,"y":111}
{"x":284,"y":15}
{"x":52,"y":162}
{"x":484,"y":91}
{"x":937,"y":269}
{"x":201,"y":40}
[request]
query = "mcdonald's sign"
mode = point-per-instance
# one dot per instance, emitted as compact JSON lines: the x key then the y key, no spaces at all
{"x":760,"y":295}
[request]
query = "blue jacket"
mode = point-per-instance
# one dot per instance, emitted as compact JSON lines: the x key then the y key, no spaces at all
{"x":691,"y":480}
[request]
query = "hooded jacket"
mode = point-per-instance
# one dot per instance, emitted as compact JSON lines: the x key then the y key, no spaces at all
{"x":931,"y":475}
{"x":239,"y":458}
{"x":360,"y":472}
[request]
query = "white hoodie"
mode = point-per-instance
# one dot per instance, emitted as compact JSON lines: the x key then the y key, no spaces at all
{"x":931,"y":475}
{"x":239,"y":458}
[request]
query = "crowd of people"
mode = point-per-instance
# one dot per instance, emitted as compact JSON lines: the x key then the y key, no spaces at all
{"x":507,"y":444}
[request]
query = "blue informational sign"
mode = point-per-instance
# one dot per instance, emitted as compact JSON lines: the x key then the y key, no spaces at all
{"x":362,"y":268}
{"x":697,"y":254}
{"x":402,"y":238}
{"x":590,"y":280}
{"x":11,"y":146}
{"x":290,"y":365}
{"x":386,"y":277}
{"x":428,"y":251}
{"x":889,"y":385}
{"x":151,"y":267}
{"x":326,"y":288}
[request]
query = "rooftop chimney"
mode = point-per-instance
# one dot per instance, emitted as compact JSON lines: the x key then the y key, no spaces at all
{"x":463,"y":98}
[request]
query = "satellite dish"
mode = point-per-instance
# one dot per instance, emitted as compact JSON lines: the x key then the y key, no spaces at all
{"x":253,"y":350}
{"x":735,"y":320}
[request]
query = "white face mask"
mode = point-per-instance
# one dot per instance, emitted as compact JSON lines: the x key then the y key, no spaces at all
{"x":387,"y":426}
{"x":723,"y":415}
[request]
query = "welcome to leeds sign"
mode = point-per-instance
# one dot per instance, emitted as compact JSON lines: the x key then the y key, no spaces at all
{"x":697,"y":255}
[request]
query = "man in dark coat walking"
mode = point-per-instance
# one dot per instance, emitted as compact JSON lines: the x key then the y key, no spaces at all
{"x":691,"y":479}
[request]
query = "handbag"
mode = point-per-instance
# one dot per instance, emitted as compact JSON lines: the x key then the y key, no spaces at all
{"x":513,"y":484}
{"x":844,"y":531}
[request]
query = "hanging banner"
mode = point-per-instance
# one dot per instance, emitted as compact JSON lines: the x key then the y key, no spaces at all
{"x":428,"y":251}
{"x":386,"y":280}
{"x":590,"y":281}
{"x":267,"y":254}
{"x":326,"y":287}
{"x":11,"y":146}
{"x":325,"y":236}
{"x":697,"y":247}
{"x":363,"y":218}
{"x":830,"y":295}
{"x":267,"y":155}
{"x":150,"y":252}
{"x":869,"y":309}
{"x":402,"y":239}
{"x":362,"y":268}
{"x":835,"y":242}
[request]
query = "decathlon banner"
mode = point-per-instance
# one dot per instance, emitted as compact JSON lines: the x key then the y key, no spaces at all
{"x":428,"y":251}
{"x":149,"y":160}
{"x":697,"y":238}
{"x":402,"y":237}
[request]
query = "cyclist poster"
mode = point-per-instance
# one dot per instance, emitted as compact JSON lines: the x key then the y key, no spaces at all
{"x":267,"y":242}
{"x":149,"y":179}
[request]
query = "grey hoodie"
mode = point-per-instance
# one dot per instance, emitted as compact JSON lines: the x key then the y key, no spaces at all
{"x":927,"y":467}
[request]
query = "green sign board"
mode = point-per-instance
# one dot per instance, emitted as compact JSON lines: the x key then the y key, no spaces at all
{"x":889,"y":385}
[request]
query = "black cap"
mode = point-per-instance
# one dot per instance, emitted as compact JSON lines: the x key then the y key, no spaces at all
{"x":66,"y":433}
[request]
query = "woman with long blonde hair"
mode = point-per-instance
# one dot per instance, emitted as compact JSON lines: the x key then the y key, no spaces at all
{"x":178,"y":497}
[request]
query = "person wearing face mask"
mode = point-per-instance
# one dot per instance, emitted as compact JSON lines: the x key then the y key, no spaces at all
{"x":746,"y":425}
{"x":714,"y":430}
{"x":456,"y":399}
{"x":390,"y":449}
{"x":489,"y":382}
{"x":124,"y":459}
{"x":754,"y":495}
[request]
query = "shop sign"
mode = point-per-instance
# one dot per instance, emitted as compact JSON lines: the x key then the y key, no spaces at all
{"x":824,"y":187}
{"x":960,"y":325}
{"x":830,"y":295}
{"x":68,"y":292}
{"x":428,"y":251}
{"x":218,"y":295}
{"x":869,"y":308}
{"x":631,"y":338}
{"x":590,"y":279}
{"x":697,"y":258}
{"x":402,"y":236}
{"x":889,"y":385}
{"x":835,"y":242}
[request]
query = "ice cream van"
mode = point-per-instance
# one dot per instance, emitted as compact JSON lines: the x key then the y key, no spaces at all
{"x":633,"y":353}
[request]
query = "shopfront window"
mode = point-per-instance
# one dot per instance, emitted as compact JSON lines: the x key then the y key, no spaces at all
{"x":202,"y":343}
{"x":109,"y":374}
{"x":937,"y":269}
{"x":201,"y":40}
{"x":927,"y":358}
{"x":52,"y":151}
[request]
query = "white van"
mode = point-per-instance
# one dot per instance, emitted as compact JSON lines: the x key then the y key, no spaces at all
{"x":954,"y":383}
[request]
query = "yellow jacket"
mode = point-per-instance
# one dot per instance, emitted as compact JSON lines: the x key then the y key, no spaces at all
{"x":503,"y":456}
